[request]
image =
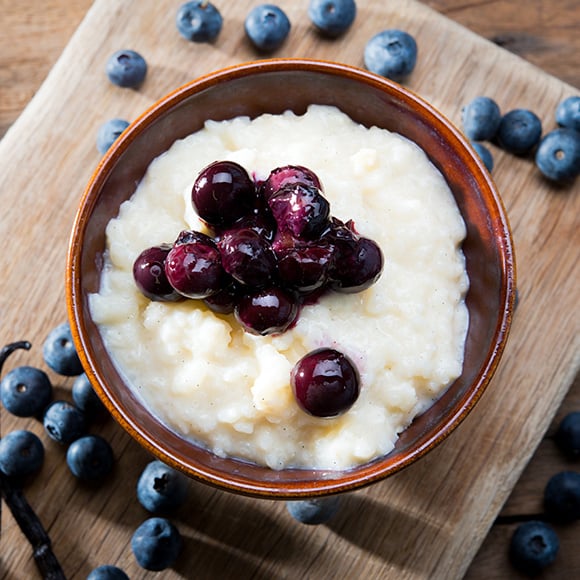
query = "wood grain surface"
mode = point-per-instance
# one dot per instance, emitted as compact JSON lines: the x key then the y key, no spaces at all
{"x":434,"y":520}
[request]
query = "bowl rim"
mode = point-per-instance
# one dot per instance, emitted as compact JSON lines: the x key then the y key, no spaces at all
{"x":360,"y":476}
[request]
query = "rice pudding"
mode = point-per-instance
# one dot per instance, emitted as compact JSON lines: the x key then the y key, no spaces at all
{"x":228,"y":389}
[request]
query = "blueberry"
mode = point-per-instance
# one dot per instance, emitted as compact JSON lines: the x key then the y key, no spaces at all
{"x":568,"y":113}
{"x":558,"y":154}
{"x":314,"y":511}
{"x":85,"y":398}
{"x":21,"y":453}
{"x":161,"y":488}
{"x":199,"y":21}
{"x":109,"y":132}
{"x":90,"y":458}
{"x":332,"y":17}
{"x":156,"y":544}
{"x":519,"y":131}
{"x":562,"y":497}
{"x":60,"y":353}
{"x":481,"y":118}
{"x":126,"y":68}
{"x":25,"y":391}
{"x":267,"y":27}
{"x":63,"y":422}
{"x":534,"y":546}
{"x":107,"y":572}
{"x":392,"y":54}
{"x":567,"y":435}
{"x":484,"y":154}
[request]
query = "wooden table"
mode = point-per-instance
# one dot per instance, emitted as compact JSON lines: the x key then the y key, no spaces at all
{"x":541,"y":31}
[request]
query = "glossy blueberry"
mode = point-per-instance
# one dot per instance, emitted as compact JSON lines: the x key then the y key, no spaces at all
{"x":199,"y":21}
{"x":288,"y":175}
{"x":332,"y":17}
{"x":267,"y":27}
{"x":21,"y":453}
{"x":149,"y":274}
{"x":481,"y":118}
{"x":85,"y":397}
{"x":562,"y":497}
{"x":25,"y":391}
{"x":314,"y":511}
{"x":107,"y":572}
{"x":519,"y":131}
{"x":224,"y":301}
{"x":533,"y":546}
{"x":392,"y":54}
{"x":558,"y":154}
{"x":90,"y":458}
{"x":568,"y":113}
{"x":567,"y":435}
{"x":109,"y":132}
{"x":305,"y":267}
{"x":63,"y":422}
{"x":267,"y":311}
{"x":156,"y":544}
{"x":484,"y":154}
{"x":59,"y":352}
{"x":161,"y":488}
{"x":126,"y":68}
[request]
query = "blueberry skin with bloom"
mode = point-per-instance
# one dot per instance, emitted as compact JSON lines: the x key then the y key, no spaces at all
{"x":90,"y":458}
{"x":85,"y":398}
{"x":126,"y":68}
{"x":558,"y":154}
{"x":332,"y":17}
{"x":533,"y":546}
{"x":567,"y":435}
{"x":267,"y":27}
{"x":481,"y":118}
{"x":161,"y":488}
{"x":392,"y":54}
{"x":63,"y":422}
{"x":59,"y":352}
{"x":568,"y":113}
{"x":484,"y":154}
{"x":562,"y":497}
{"x":314,"y":511}
{"x":109,"y":132}
{"x":156,"y":544}
{"x":107,"y":572}
{"x":199,"y":21}
{"x":21,"y":453}
{"x":519,"y":131}
{"x":26,"y":391}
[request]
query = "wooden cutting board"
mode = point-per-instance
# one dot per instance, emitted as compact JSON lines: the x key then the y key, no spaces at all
{"x":426,"y":522}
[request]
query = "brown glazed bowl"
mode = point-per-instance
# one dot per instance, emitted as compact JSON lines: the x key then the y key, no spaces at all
{"x":275,"y":86}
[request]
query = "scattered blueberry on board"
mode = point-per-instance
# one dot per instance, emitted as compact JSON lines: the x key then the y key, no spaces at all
{"x":63,"y":422}
{"x":109,"y":132}
{"x":519,"y":131}
{"x":199,"y":21}
{"x":558,"y":154}
{"x":156,"y":544}
{"x":90,"y":458}
{"x":332,"y":18}
{"x":21,"y":453}
{"x":392,"y":54}
{"x":107,"y":572}
{"x":568,"y":113}
{"x":161,"y":488}
{"x":481,"y":118}
{"x":314,"y":511}
{"x":562,"y":497}
{"x":26,"y":391}
{"x":567,"y":435}
{"x":484,"y":154}
{"x":85,"y":397}
{"x":126,"y":68}
{"x":533,"y":547}
{"x":267,"y":26}
{"x":59,"y":352}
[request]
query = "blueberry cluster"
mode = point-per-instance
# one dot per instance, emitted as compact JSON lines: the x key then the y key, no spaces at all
{"x":272,"y":247}
{"x":556,"y":154}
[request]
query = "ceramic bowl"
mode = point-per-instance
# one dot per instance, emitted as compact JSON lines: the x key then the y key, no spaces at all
{"x":275,"y":86}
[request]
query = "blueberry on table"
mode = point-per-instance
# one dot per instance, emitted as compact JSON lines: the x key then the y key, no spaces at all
{"x":150,"y":277}
{"x":558,"y":154}
{"x":481,"y":118}
{"x":25,"y":391}
{"x":109,"y":132}
{"x":161,"y":488}
{"x":568,"y":113}
{"x":156,"y":544}
{"x":90,"y":458}
{"x":567,"y":435}
{"x":21,"y":453}
{"x":267,"y":27}
{"x":63,"y":422}
{"x":332,"y":17}
{"x":126,"y":68}
{"x":392,"y":54}
{"x":519,"y":131}
{"x":85,"y":397}
{"x":314,"y":511}
{"x":484,"y":154}
{"x":562,"y":497}
{"x":59,"y":352}
{"x":107,"y":572}
{"x":533,"y":546}
{"x":199,"y":21}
